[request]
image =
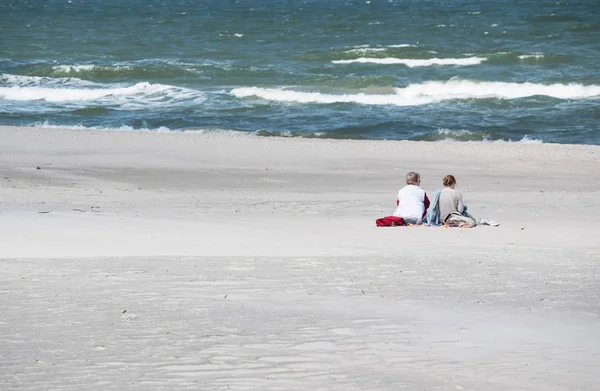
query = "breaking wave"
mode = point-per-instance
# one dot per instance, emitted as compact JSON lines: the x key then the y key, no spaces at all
{"x":73,"y":90}
{"x":435,"y":135}
{"x":445,"y":134}
{"x":428,"y":92}
{"x":414,"y":62}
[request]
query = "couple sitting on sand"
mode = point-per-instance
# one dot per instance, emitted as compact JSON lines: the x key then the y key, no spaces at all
{"x":447,"y":207}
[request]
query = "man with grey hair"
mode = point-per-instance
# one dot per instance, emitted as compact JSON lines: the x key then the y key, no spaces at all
{"x":413,"y":178}
{"x":412,"y":201}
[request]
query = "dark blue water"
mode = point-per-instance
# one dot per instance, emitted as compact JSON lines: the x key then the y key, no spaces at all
{"x":419,"y":70}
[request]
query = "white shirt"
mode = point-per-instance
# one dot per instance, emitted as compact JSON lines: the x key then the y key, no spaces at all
{"x":412,"y":203}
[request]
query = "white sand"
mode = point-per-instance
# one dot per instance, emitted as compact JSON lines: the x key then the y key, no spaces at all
{"x":188,"y":261}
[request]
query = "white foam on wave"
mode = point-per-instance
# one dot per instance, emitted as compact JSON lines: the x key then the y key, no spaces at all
{"x":227,"y":34}
{"x":130,"y":66}
{"x":530,"y":140}
{"x":70,"y":91}
{"x":429,"y":92}
{"x":414,"y":62}
{"x":527,"y":139}
{"x":73,"y":68}
{"x":451,"y":134}
{"x":533,"y":55}
{"x":401,"y":45}
{"x":161,"y":129}
{"x":47,"y":125}
{"x":282,"y":95}
{"x":461,"y":135}
{"x":218,"y":131}
{"x":467,"y":89}
{"x":456,"y":134}
{"x":84,"y":68}
{"x":365,"y":50}
{"x":28,"y":81}
{"x":73,"y":94}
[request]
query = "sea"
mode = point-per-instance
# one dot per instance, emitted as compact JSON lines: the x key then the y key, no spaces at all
{"x":463,"y":70}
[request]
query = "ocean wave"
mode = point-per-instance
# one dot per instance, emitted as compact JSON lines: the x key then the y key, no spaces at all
{"x":401,"y":45}
{"x":147,"y":69}
{"x":161,"y":129}
{"x":125,"y":128}
{"x":411,"y":63}
{"x":219,"y":131}
{"x":236,"y":35}
{"x":91,"y":111}
{"x":445,"y":134}
{"x":73,"y":68}
{"x":536,"y":58}
{"x":71,"y":91}
{"x":585,"y":27}
{"x":143,"y":69}
{"x":290,"y":134}
{"x":130,"y":70}
{"x":375,"y":51}
{"x":534,"y":55}
{"x":439,"y":135}
{"x":527,"y":139}
{"x":365,"y":50}
{"x":32,"y":81}
{"x":282,"y":95}
{"x":211,"y":130}
{"x":428,"y":92}
{"x":554,"y":18}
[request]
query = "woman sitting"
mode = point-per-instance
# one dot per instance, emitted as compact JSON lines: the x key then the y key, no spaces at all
{"x":453,"y":211}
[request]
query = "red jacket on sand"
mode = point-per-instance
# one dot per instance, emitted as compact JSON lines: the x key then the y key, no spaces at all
{"x":389,"y":221}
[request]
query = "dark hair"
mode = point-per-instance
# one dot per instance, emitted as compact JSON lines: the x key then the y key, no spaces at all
{"x":449,"y":180}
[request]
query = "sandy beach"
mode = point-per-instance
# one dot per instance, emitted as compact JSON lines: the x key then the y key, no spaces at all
{"x":143,"y":261}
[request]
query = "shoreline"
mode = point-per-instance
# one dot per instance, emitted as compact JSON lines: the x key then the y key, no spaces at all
{"x":215,"y":131}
